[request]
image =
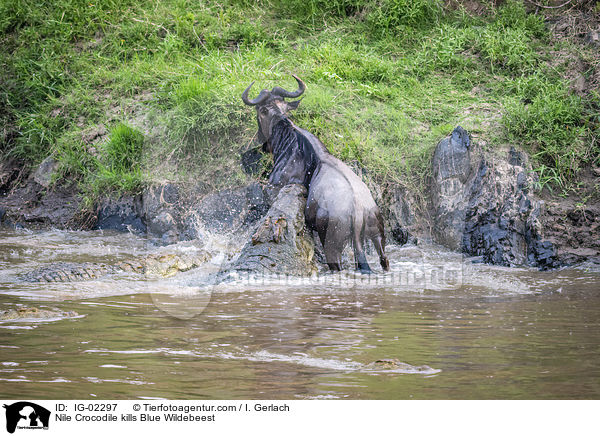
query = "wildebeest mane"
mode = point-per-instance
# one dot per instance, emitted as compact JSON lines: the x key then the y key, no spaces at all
{"x":288,"y":143}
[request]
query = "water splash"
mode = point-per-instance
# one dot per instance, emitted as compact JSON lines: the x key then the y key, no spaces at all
{"x":414,"y":269}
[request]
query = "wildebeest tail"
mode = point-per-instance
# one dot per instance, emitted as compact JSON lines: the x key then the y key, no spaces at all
{"x":380,"y":227}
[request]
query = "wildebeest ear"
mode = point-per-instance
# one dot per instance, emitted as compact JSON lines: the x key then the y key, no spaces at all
{"x":291,"y":105}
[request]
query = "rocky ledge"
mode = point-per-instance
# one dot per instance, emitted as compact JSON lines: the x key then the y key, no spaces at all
{"x":481,"y":203}
{"x":485,"y":206}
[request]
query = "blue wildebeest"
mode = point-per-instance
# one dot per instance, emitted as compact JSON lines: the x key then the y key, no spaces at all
{"x":339,"y":206}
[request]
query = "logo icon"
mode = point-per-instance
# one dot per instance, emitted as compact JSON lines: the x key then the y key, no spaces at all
{"x":26,"y":415}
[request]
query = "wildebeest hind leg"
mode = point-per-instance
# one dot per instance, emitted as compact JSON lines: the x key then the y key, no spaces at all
{"x":360,"y":259}
{"x":379,"y":243}
{"x":333,"y":255}
{"x":332,"y":247}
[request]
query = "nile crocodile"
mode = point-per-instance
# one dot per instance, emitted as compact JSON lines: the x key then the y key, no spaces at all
{"x":163,"y":265}
{"x":394,"y":365}
{"x":35,"y":313}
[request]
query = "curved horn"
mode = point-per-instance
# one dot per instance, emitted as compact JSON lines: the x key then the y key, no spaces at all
{"x":287,"y":94}
{"x":261,"y":97}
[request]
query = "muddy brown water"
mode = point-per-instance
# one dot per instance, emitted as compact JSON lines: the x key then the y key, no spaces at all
{"x":461,"y":330}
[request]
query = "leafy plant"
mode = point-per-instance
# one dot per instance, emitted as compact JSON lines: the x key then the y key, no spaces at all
{"x":548,"y":122}
{"x":117,"y":167}
{"x":392,"y":15}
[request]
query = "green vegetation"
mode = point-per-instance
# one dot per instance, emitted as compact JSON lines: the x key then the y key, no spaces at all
{"x":124,"y":92}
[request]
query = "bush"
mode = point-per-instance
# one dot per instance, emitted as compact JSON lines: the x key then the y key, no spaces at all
{"x":509,"y":41}
{"x":118,"y":167}
{"x":391,"y":15}
{"x":508,"y":49}
{"x":315,"y":11}
{"x":512,"y":15}
{"x":549,"y":122}
{"x":446,"y":49}
{"x":123,"y":151}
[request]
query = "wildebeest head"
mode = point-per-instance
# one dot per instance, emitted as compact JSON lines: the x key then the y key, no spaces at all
{"x":271,"y":107}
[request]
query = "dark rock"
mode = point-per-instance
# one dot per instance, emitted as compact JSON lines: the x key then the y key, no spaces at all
{"x":161,"y":224}
{"x":251,"y":161}
{"x":189,"y":228}
{"x":170,"y":193}
{"x":172,"y":214}
{"x":525,"y":205}
{"x":222,"y":211}
{"x":228,"y":210}
{"x":255,"y":196}
{"x":501,"y":221}
{"x":451,"y":158}
{"x":2,"y":213}
{"x":57,"y":208}
{"x":162,"y":212}
{"x":515,"y":157}
{"x":451,"y":170}
{"x":573,"y":230}
{"x":9,"y":172}
{"x":34,"y":206}
{"x":522,"y":181}
{"x":400,"y":235}
{"x":397,"y":210}
{"x":490,"y":213}
{"x":124,"y":214}
{"x":281,"y":244}
{"x":258,"y":203}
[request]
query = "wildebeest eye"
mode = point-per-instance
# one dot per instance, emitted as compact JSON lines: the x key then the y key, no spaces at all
{"x":264,"y":110}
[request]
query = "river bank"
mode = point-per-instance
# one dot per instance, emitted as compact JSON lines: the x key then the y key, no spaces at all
{"x":138,"y":125}
{"x":481,"y":204}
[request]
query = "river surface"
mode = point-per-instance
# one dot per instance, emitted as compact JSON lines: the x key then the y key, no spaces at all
{"x":457,"y":330}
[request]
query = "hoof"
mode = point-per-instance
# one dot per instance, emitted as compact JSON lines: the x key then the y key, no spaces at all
{"x":364,"y":269}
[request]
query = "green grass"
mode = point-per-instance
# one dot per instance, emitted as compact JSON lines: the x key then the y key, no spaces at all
{"x":387,"y":79}
{"x":112,"y":166}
